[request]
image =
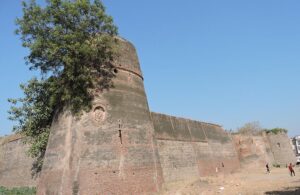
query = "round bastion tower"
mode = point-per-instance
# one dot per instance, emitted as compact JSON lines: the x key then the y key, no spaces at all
{"x":111,"y":149}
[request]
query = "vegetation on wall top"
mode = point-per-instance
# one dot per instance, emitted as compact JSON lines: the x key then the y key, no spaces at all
{"x":254,"y":128}
{"x":276,"y":130}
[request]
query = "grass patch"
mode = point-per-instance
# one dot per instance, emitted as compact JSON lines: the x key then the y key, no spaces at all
{"x":17,"y":191}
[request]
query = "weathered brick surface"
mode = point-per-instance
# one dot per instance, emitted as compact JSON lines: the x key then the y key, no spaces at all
{"x":15,"y":165}
{"x":178,"y":160}
{"x":253,"y":151}
{"x":110,"y":150}
{"x":190,"y":149}
{"x":266,"y":148}
{"x":223,"y":157}
{"x":281,"y":149}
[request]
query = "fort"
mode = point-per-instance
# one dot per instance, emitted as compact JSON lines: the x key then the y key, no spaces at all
{"x":121,"y":147}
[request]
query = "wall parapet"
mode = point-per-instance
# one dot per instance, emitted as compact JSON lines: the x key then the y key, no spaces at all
{"x":181,"y":129}
{"x":10,"y":138}
{"x":15,"y":164}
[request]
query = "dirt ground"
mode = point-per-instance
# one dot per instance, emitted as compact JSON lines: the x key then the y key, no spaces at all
{"x":243,"y":182}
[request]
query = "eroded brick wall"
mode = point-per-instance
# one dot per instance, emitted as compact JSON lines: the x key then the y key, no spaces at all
{"x":266,"y":148}
{"x":109,"y":150}
{"x":15,"y":165}
{"x":253,"y":151}
{"x":281,"y":148}
{"x":189,"y":149}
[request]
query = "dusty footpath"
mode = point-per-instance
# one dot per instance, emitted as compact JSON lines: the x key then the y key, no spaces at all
{"x":243,"y":182}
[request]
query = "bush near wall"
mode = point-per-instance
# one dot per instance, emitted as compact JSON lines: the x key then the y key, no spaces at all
{"x":17,"y":191}
{"x":276,"y":130}
{"x":276,"y":165}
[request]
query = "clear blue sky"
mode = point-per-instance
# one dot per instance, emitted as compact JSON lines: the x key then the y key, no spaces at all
{"x":226,"y":62}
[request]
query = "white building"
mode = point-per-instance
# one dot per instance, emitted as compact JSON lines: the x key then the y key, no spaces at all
{"x":293,"y":145}
{"x":296,"y":147}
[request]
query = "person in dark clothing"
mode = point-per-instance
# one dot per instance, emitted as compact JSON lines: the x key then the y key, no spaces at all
{"x":292,"y":172}
{"x":268,"y":168}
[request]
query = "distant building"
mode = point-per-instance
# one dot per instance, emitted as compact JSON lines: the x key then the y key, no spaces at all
{"x":296,"y":144}
{"x":296,"y":147}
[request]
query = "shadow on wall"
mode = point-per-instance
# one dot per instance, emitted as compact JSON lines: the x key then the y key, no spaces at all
{"x":287,"y":191}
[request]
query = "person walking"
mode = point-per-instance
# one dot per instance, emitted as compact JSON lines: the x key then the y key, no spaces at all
{"x":292,"y":172}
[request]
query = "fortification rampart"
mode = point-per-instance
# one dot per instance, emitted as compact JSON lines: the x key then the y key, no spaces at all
{"x":109,"y":150}
{"x":127,"y":60}
{"x":189,"y":149}
{"x":253,"y":151}
{"x":265,"y":148}
{"x":15,"y":164}
{"x":119,"y":147}
{"x":281,"y":148}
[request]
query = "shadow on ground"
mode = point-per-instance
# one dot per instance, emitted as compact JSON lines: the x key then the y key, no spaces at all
{"x":287,"y":191}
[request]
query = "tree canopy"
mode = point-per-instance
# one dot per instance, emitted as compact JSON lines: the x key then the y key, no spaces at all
{"x":71,"y":43}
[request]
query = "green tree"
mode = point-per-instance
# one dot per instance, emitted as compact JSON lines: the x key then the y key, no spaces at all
{"x":276,"y":130}
{"x":71,"y":44}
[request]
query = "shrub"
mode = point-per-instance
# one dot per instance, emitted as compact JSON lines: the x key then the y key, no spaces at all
{"x":276,"y":165}
{"x":276,"y":130}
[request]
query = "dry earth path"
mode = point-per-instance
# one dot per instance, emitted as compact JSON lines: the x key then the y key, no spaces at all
{"x":244,"y":182}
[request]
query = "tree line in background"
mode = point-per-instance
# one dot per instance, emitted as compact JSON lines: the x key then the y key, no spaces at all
{"x":254,"y":128}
